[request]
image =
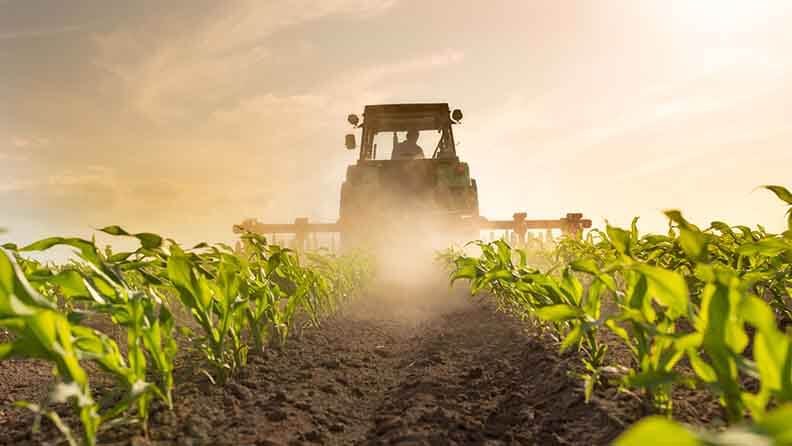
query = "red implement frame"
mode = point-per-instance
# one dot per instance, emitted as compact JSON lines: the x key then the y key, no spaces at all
{"x":572,"y":224}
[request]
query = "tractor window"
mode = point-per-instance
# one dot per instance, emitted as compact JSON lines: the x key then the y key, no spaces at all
{"x":427,"y":140}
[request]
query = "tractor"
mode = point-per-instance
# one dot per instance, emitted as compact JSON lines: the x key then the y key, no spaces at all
{"x":415,"y":198}
{"x":419,"y":194}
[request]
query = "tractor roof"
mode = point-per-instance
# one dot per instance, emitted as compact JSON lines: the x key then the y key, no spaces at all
{"x":405,"y":109}
{"x":395,"y":117}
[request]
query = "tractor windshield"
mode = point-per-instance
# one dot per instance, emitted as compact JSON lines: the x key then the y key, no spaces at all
{"x":397,"y":145}
{"x":407,"y":131}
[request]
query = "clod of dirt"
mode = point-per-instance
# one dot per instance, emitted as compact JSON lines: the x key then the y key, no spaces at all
{"x":410,"y":440}
{"x":475,"y":373}
{"x":280,"y":395}
{"x":252,"y":383}
{"x":328,"y":388}
{"x":304,"y":406}
{"x":381,"y":351}
{"x":313,"y":436}
{"x":139,"y":441}
{"x":240,"y":391}
{"x":388,"y":423}
{"x":198,"y":427}
{"x":277,"y":415}
{"x":331,"y":364}
{"x":164,"y":417}
{"x":268,"y":442}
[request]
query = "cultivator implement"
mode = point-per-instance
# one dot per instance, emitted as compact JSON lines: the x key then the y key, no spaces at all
{"x":302,"y":234}
{"x":572,"y":225}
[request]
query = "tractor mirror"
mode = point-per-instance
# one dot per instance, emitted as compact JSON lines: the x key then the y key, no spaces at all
{"x":350,"y":142}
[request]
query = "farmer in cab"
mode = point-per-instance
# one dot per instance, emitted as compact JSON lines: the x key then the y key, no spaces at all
{"x":409,"y":148}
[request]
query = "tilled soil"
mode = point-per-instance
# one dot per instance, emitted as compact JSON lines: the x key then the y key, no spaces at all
{"x":376,"y":375}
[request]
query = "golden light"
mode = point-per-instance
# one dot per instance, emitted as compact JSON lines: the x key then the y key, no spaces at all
{"x":726,"y":16}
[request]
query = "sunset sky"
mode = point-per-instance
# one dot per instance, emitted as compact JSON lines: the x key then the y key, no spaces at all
{"x":187,"y":116}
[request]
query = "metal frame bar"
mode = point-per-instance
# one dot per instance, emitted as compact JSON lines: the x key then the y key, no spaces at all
{"x":573,"y":224}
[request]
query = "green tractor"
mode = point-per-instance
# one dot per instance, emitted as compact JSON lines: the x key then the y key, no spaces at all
{"x":408,"y":190}
{"x":409,"y":193}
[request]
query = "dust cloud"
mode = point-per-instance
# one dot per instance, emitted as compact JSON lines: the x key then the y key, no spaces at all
{"x":411,"y":285}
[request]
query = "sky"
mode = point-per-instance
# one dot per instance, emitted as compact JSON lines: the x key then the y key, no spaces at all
{"x":185,"y":117}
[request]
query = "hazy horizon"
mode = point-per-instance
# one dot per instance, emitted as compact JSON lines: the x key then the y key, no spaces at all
{"x":188,"y":116}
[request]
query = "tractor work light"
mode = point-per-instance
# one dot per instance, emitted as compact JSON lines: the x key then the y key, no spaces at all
{"x":456,"y":115}
{"x":353,"y":119}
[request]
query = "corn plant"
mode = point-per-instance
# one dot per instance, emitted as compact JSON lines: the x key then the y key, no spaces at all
{"x":338,"y":278}
{"x":292,"y":285}
{"x":42,"y":332}
{"x":102,"y":283}
{"x":235,"y":298}
{"x":775,"y":429}
{"x":211,"y":289}
{"x":784,"y":195}
{"x":571,"y":312}
{"x":688,"y":294}
{"x":648,"y":301}
{"x":280,"y":284}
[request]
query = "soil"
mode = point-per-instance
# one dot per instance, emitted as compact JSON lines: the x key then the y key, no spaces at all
{"x":437,"y":371}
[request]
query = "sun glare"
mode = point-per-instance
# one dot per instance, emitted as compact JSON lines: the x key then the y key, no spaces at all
{"x":726,"y":16}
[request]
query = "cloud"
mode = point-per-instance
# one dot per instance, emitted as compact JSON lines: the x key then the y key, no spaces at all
{"x":39,"y":32}
{"x":305,"y":115}
{"x":16,"y":185}
{"x":24,"y":142}
{"x":416,"y":64}
{"x":721,"y":87}
{"x":171,"y":67}
{"x":21,"y":148}
{"x":182,"y":125}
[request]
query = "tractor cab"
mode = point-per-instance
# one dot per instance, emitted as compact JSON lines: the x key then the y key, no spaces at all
{"x":408,"y":178}
{"x":391,"y":125}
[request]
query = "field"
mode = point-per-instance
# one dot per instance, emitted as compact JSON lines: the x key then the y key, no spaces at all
{"x":684,"y":333}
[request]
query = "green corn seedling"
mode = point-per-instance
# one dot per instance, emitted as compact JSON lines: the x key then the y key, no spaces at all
{"x":775,"y":430}
{"x":688,"y":294}
{"x":44,"y":333}
{"x":104,"y":285}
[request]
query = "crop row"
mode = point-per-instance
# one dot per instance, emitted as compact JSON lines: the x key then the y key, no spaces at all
{"x":695,"y":307}
{"x":236,"y":301}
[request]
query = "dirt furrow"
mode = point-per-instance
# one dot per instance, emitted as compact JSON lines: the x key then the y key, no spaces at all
{"x":476,"y":377}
